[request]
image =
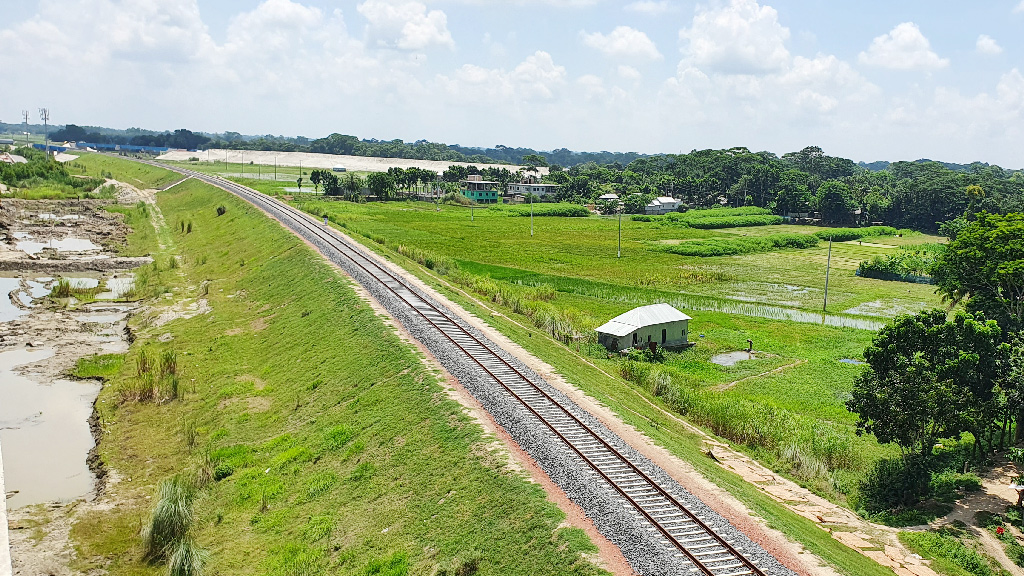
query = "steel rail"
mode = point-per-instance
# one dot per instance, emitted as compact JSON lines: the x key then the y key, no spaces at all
{"x":344,"y":247}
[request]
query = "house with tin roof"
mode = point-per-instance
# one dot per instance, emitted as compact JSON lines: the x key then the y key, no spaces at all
{"x":658,"y":323}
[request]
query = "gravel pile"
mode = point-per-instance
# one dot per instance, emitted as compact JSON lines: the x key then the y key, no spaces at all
{"x":644,"y":547}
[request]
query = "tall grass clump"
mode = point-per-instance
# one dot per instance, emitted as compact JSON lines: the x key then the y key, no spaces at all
{"x":742,"y":245}
{"x":847,"y":234}
{"x":187,"y":559}
{"x":722,"y":218}
{"x":171,"y":520}
{"x":62,"y":289}
{"x":440,"y":264}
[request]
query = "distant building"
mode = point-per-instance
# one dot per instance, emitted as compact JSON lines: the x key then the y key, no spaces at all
{"x":658,"y":323}
{"x":6,"y":141}
{"x":479,"y":190}
{"x":12,"y":159}
{"x":610,"y":197}
{"x":338,"y":169}
{"x":662,"y":205}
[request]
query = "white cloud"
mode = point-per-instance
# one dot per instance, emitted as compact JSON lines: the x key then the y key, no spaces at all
{"x":741,"y":37}
{"x":902,"y":48}
{"x":651,"y":7}
{"x":622,"y":42}
{"x":535,"y":78}
{"x":988,"y":45}
{"x":628,"y":72}
{"x":405,"y":24}
{"x":1019,"y":7}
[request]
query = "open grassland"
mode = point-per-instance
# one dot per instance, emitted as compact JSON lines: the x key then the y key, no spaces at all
{"x":137,"y":174}
{"x":259,"y":174}
{"x":322,"y":442}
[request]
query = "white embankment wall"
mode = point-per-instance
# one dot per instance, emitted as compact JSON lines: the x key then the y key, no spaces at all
{"x":5,"y":545}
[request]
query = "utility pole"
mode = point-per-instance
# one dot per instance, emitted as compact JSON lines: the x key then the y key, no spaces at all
{"x":44,"y":115}
{"x":24,"y":123}
{"x":531,"y":215}
{"x":241,"y":162}
{"x":828,"y":266}
{"x":275,"y":168}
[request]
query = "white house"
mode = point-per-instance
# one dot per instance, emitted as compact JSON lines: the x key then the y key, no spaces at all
{"x":662,"y":205}
{"x":608,"y":197}
{"x":535,"y":188}
{"x":660,"y":323}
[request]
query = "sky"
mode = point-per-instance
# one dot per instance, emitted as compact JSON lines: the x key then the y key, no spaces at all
{"x":868,"y":80}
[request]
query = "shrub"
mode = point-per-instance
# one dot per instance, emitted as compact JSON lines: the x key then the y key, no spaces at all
{"x":642,"y":218}
{"x":907,"y":265}
{"x":171,"y":520}
{"x":222,"y":471}
{"x":62,"y":289}
{"x":944,"y":485}
{"x":742,"y":245}
{"x":734,"y":222}
{"x":847,"y":234}
{"x":894,"y":483}
{"x":221,"y":210}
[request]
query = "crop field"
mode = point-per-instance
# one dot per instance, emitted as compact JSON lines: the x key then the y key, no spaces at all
{"x":786,"y":406}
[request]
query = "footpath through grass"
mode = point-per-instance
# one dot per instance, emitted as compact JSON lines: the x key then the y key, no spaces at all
{"x":323,"y":442}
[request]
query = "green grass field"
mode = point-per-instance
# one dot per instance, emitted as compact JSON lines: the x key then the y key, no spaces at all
{"x":339,"y":450}
{"x":134,"y":173}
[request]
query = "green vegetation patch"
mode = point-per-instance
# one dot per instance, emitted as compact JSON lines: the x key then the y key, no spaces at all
{"x":748,"y":245}
{"x":543,"y":209}
{"x":847,"y":234}
{"x":140,"y":175}
{"x":949,"y":555}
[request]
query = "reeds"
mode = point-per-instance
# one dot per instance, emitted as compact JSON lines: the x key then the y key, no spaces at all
{"x":171,"y":520}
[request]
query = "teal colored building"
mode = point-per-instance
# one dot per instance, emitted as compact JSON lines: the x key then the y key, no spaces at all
{"x":479,"y":190}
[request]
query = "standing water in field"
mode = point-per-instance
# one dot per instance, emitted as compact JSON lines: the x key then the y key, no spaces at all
{"x":44,"y":431}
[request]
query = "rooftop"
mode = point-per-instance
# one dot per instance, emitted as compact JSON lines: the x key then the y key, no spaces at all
{"x":636,"y":318}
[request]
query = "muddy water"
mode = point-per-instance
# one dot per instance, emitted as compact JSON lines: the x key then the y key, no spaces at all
{"x":44,"y":431}
{"x":8,"y":311}
{"x":731,"y":358}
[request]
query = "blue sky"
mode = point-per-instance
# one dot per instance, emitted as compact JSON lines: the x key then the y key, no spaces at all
{"x":865,"y":80}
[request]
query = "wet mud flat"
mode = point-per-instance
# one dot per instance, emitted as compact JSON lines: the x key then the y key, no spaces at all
{"x":46,"y":427}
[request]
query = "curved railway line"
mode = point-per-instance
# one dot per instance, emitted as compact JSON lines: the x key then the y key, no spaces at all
{"x":698,"y":547}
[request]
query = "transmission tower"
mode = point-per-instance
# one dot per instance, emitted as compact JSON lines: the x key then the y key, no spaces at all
{"x":24,"y":124}
{"x":44,"y":115}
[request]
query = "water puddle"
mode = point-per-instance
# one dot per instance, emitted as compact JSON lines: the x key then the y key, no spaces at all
{"x":852,"y":361}
{"x":8,"y":311}
{"x":117,"y":287}
{"x":731,"y":358}
{"x":69,"y":244}
{"x":101,"y":318}
{"x":45,"y":432}
{"x":83,"y":283}
{"x":887,"y":308}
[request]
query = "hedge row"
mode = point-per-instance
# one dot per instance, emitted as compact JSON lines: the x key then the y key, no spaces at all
{"x":847,"y":234}
{"x":743,"y":245}
{"x":563,"y":210}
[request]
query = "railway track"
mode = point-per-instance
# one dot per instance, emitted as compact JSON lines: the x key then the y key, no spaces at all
{"x":686,"y":533}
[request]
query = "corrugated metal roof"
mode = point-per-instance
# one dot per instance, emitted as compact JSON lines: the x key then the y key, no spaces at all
{"x":643,"y":316}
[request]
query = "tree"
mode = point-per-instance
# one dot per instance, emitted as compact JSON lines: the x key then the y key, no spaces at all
{"x":352,"y":185}
{"x":298,"y":182}
{"x":834,"y":201}
{"x":984,"y":266}
{"x":316,"y":176}
{"x":330,"y":182}
{"x":929,"y":378}
{"x":792,"y":194}
{"x":534,"y":160}
{"x":381,"y":184}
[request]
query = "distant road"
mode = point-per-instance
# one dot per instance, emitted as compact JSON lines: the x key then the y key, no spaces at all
{"x":310,"y":160}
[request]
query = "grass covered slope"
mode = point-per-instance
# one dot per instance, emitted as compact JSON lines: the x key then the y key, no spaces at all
{"x":334,"y":449}
{"x":137,"y":174}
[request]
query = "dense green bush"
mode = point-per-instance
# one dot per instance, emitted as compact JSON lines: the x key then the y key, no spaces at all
{"x":944,"y":486}
{"x":734,"y":222}
{"x":894,"y":483}
{"x":642,"y":218}
{"x":722,"y":218}
{"x":907,"y":265}
{"x":742,"y":245}
{"x":539,"y":209}
{"x":847,"y":234}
